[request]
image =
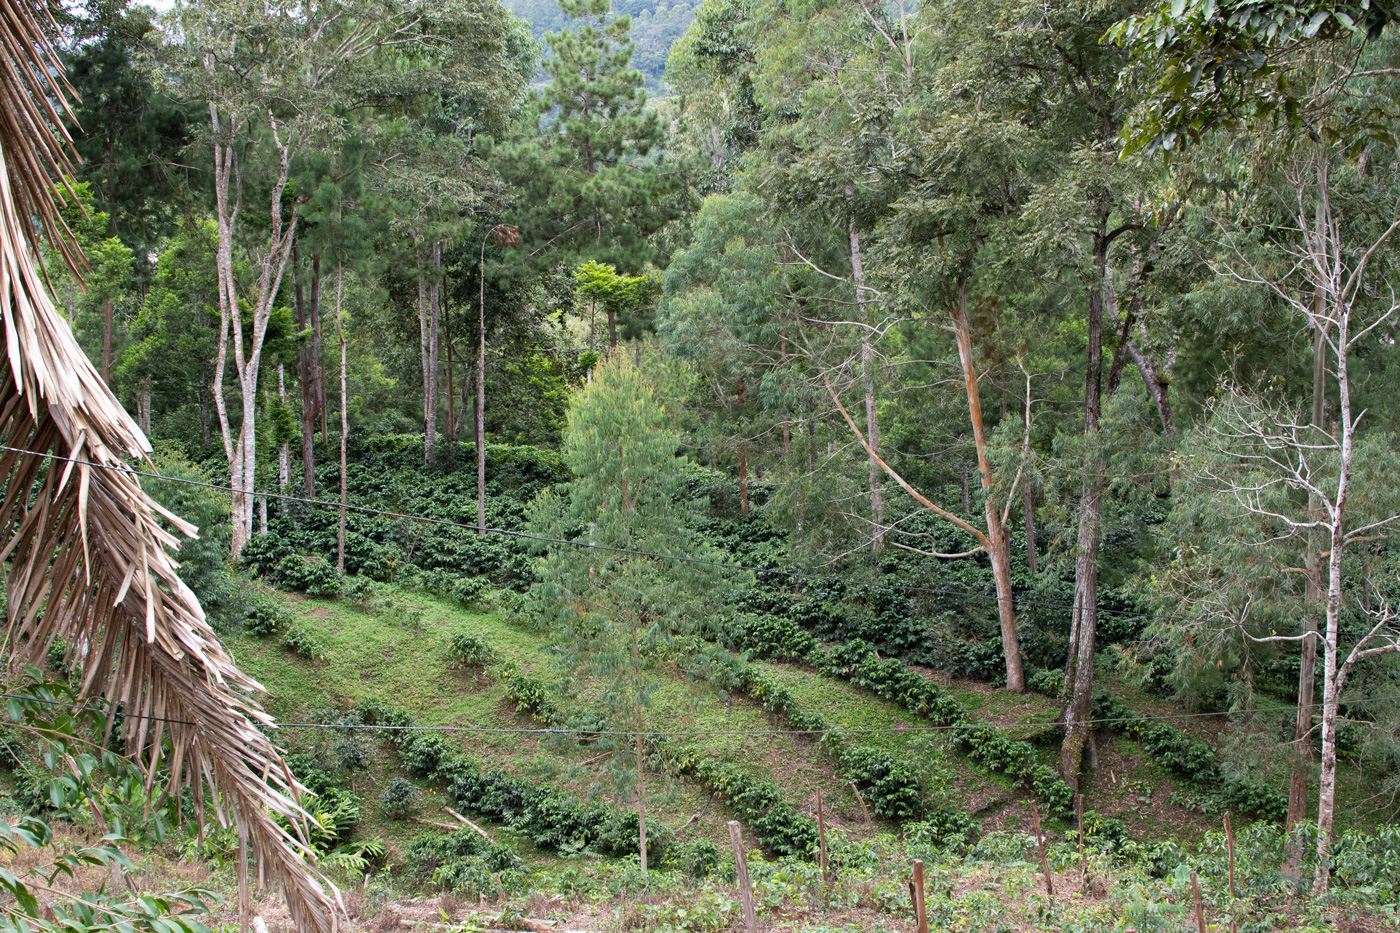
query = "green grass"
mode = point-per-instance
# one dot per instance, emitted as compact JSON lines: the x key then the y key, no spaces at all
{"x":397,"y":653}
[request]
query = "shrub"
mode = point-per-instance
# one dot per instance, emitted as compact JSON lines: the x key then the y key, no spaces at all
{"x":400,"y":799}
{"x":351,"y":754}
{"x":58,"y":652}
{"x":533,"y":696}
{"x":465,"y":863}
{"x":620,"y":835}
{"x":422,"y":752}
{"x":299,"y":642}
{"x":314,"y":576}
{"x":941,"y":829}
{"x":468,"y":590}
{"x":1049,"y":683}
{"x":265,"y":617}
{"x":770,"y":636}
{"x":471,"y":651}
{"x":696,"y":858}
{"x":889,"y":787}
{"x":262,"y":553}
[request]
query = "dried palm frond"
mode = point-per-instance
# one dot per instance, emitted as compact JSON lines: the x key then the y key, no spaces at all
{"x":89,"y":559}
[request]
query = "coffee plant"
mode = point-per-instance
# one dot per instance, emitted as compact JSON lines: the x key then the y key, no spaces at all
{"x":470,"y":651}
{"x":400,"y":799}
{"x":300,"y":642}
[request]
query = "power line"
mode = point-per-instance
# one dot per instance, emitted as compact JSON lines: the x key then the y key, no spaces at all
{"x":678,"y":733}
{"x":723,"y":565}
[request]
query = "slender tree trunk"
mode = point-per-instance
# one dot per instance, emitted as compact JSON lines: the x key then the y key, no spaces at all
{"x":479,"y":409}
{"x":107,"y":343}
{"x":998,"y":545}
{"x":1331,"y":680}
{"x":428,"y":419}
{"x":1079,"y":676}
{"x":1079,"y":670}
{"x":203,"y":418}
{"x":262,"y":515}
{"x":434,"y":313}
{"x":344,"y":421}
{"x":284,"y":452}
{"x":1313,"y":596}
{"x":451,"y":425}
{"x":1029,"y":495}
{"x":145,"y":405}
{"x":867,"y":365}
{"x":641,"y":799}
{"x":743,"y":459}
{"x":318,"y":363}
{"x":308,"y":390}
{"x":787,"y":422}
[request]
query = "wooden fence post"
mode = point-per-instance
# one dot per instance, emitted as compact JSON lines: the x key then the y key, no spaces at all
{"x":1230,"y":845}
{"x":1040,"y":845}
{"x":245,"y":906}
{"x":1083,"y":865}
{"x":821,"y":837}
{"x":741,"y":868}
{"x":1196,"y":896}
{"x":920,"y":917}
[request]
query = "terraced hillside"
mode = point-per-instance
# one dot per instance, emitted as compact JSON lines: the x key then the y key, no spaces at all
{"x":395,"y":650}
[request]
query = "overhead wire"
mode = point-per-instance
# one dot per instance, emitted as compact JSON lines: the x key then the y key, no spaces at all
{"x":662,"y":733}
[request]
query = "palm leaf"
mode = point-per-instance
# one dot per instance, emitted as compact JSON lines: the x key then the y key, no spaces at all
{"x":89,"y":557}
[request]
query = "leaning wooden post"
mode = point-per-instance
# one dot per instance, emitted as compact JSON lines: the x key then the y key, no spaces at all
{"x":1196,"y":896}
{"x":920,"y":917}
{"x":1079,"y":812}
{"x":245,"y":906}
{"x":1230,"y":847}
{"x":1040,"y":845}
{"x":821,"y":838}
{"x":741,"y":868}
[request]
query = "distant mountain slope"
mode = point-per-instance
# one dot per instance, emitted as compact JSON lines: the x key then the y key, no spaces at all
{"x":655,"y":25}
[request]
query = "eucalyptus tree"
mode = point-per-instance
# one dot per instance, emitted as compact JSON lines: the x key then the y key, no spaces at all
{"x":840,"y":78}
{"x":969,"y":171}
{"x":434,"y":178}
{"x":274,"y":76}
{"x":1092,"y":222}
{"x":725,"y":308}
{"x":1268,"y":76}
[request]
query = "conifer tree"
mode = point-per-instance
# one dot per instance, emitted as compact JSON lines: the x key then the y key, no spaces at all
{"x":614,"y":612}
{"x":591,"y":183}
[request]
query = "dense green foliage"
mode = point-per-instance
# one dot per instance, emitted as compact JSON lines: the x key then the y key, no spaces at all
{"x":935,"y":352}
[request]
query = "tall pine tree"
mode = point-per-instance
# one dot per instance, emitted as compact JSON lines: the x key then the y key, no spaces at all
{"x":590,"y":175}
{"x":613,"y":609}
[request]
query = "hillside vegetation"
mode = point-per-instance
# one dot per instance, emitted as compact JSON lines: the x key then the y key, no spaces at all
{"x":629,"y":441}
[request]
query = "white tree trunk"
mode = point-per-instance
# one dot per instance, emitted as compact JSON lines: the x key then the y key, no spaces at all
{"x":284,"y":453}
{"x":867,"y":365}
